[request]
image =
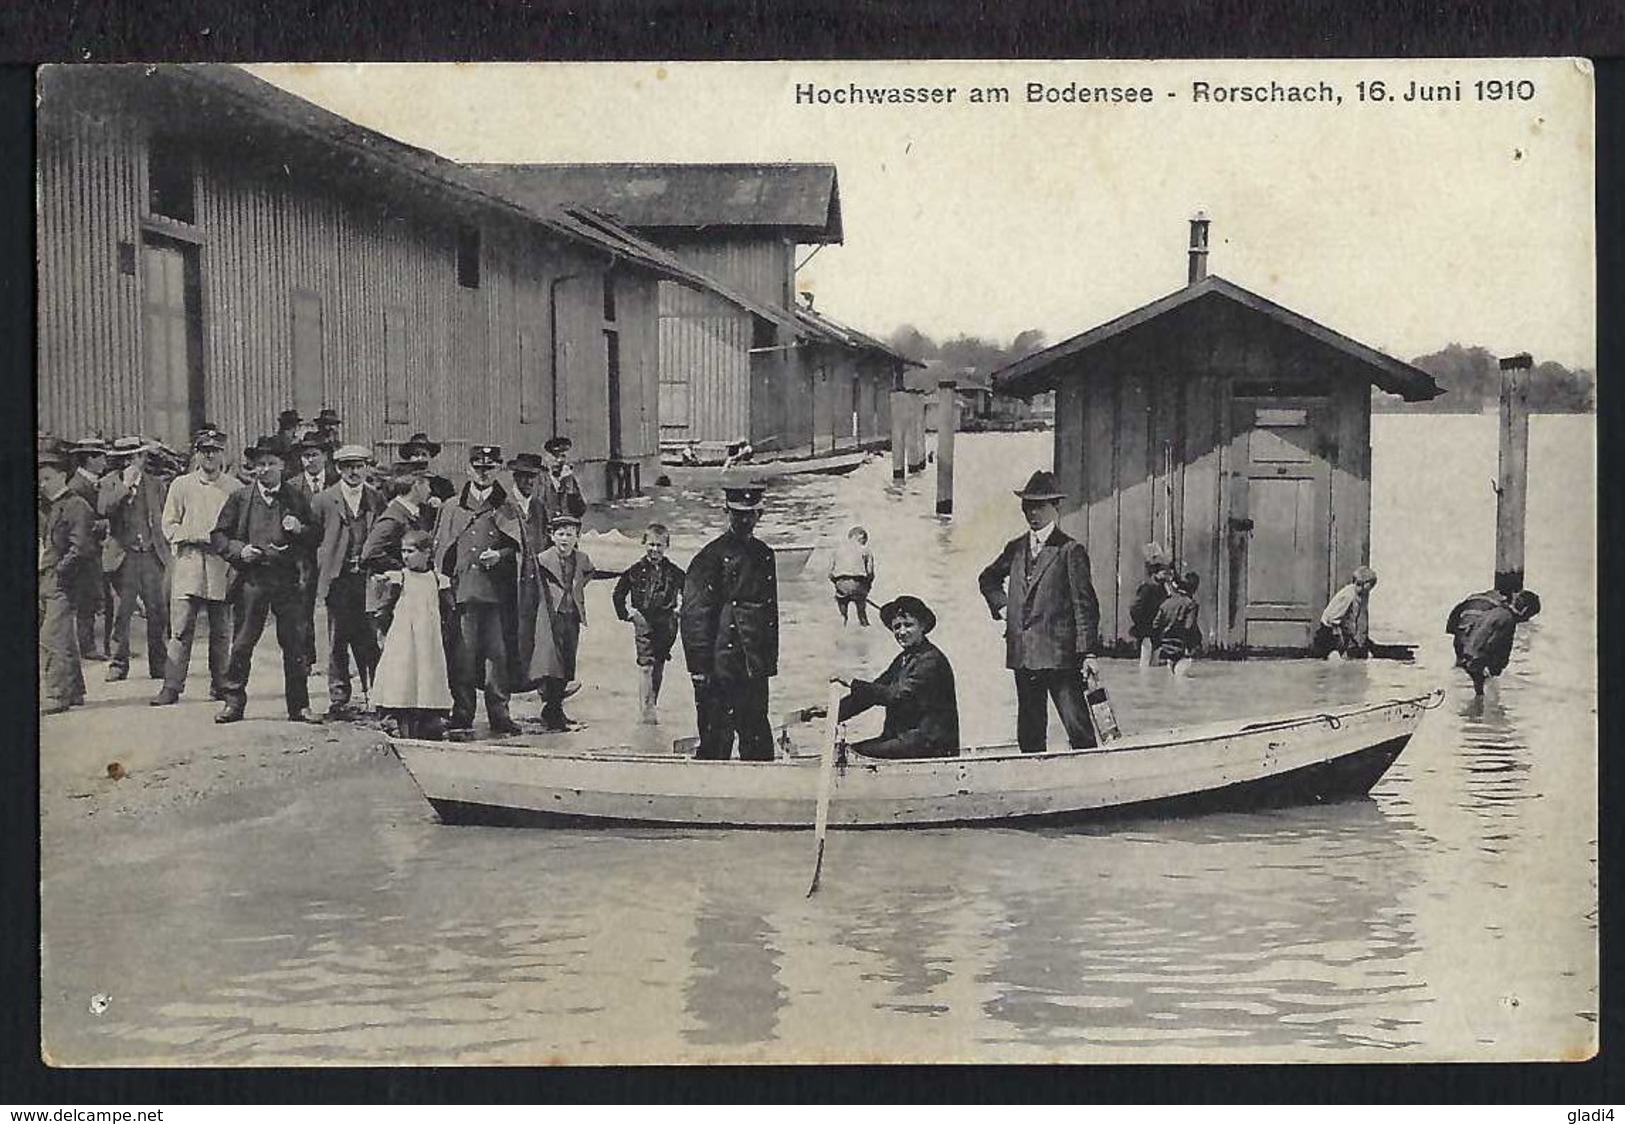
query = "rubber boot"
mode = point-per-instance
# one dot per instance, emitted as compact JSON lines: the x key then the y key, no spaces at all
{"x":646,"y":696}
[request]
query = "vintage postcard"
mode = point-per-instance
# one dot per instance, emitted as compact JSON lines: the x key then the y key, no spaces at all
{"x":818,"y":562}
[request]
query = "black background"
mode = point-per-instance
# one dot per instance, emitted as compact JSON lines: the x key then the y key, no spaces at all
{"x":246,"y":30}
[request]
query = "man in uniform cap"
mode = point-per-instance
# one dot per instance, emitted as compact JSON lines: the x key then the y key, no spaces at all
{"x":91,"y":592}
{"x":136,"y":555}
{"x":345,"y":512}
{"x":66,"y":547}
{"x":477,"y":545}
{"x":1040,"y":584}
{"x":198,"y":577}
{"x":262,"y":531}
{"x":730,"y":627}
{"x":561,"y":491}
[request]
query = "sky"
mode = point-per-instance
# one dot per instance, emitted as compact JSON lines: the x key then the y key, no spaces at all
{"x":1406,"y":224}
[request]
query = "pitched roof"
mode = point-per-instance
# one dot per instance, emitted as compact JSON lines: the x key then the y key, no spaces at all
{"x":799,"y":199}
{"x":1042,"y":370}
{"x":826,"y":327}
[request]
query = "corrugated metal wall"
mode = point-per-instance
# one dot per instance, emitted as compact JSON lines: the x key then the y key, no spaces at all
{"x":91,"y":188}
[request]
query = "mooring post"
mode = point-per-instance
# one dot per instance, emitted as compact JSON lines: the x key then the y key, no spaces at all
{"x":916,"y":452}
{"x":947,"y":422}
{"x":899,"y":433}
{"x":1512,"y":476}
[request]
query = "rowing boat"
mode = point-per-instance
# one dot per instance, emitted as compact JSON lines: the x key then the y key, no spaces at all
{"x":1297,"y":759}
{"x":827,"y":464}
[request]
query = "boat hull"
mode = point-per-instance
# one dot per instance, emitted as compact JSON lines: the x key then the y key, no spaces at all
{"x":1224,"y":767}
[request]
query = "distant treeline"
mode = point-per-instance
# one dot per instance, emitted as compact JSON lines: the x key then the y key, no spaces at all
{"x":1471,"y":378}
{"x":962,"y":354}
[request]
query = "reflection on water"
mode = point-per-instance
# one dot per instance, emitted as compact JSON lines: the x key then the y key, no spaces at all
{"x":1450,"y":916}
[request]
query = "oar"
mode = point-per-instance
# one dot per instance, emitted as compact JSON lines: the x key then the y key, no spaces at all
{"x":826,"y":779}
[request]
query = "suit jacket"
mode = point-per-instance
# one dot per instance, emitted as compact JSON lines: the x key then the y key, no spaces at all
{"x":248,"y":520}
{"x":333,"y":552}
{"x":87,"y":571}
{"x":917,"y":690}
{"x":730,"y":613}
{"x":116,"y":503}
{"x":1052,"y":617}
{"x":560,"y":498}
{"x":463,"y":531}
{"x":544,"y":661}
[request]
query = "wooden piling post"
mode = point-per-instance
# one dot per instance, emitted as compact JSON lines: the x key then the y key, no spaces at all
{"x":916,"y":451}
{"x":947,"y":422}
{"x":899,"y":433}
{"x":1512,"y":475}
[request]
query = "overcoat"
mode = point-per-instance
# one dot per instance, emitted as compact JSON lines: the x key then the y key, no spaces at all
{"x":545,"y":660}
{"x":67,"y":543}
{"x":1482,"y":627}
{"x":730,"y":613}
{"x":529,"y":521}
{"x":1052,"y":617}
{"x":333,"y":514}
{"x":462,"y":533}
{"x":917,"y":690}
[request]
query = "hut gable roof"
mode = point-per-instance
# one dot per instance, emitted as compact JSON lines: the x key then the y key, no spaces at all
{"x":824,"y":327}
{"x":801,"y":200}
{"x":1042,"y":370}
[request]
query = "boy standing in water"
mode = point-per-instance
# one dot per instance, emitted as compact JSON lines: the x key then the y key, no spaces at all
{"x":654,"y":585}
{"x":1482,"y":627}
{"x":852,"y":569}
{"x":1174,"y":630}
{"x":560,"y":618}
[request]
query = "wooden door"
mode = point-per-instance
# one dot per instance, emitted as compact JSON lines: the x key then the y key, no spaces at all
{"x":172,"y":330}
{"x":1278,"y":531}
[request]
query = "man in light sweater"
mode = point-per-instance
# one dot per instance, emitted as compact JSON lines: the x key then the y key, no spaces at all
{"x":198,"y":576}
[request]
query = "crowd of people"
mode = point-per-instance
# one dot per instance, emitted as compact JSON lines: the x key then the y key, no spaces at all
{"x":436,"y":596}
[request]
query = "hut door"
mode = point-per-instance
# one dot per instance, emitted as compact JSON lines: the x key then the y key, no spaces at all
{"x":1278,"y":524}
{"x":172,"y":328}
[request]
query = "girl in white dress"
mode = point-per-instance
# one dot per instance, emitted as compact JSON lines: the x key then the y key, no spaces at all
{"x":411,"y":686}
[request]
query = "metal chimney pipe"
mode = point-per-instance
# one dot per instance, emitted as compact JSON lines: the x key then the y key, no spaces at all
{"x":1198,"y":255}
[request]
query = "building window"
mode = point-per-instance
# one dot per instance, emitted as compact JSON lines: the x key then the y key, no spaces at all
{"x":468,"y":258}
{"x":170,"y":186}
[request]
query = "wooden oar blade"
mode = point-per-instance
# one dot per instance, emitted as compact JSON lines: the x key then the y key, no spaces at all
{"x":818,"y":868}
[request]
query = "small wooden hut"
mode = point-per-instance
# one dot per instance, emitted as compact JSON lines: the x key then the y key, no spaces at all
{"x":1230,"y":430}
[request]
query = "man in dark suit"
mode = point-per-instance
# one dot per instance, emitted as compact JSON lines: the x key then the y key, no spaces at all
{"x":916,"y":689}
{"x":91,"y":592}
{"x":473,"y":548}
{"x":66,"y":546}
{"x":560,"y":490}
{"x":730,"y":627}
{"x":262,"y":531}
{"x":136,"y":554}
{"x":345,"y":512}
{"x":1052,"y":618}
{"x":315,"y":476}
{"x":526,"y":512}
{"x":421,"y":451}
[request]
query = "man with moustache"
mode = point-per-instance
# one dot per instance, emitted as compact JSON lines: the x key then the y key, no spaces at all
{"x":345,"y":512}
{"x":136,"y":555}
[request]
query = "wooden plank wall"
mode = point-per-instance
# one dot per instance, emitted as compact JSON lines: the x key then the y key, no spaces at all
{"x":757,"y":265}
{"x":705,"y":341}
{"x":91,"y":191}
{"x":1351,"y":483}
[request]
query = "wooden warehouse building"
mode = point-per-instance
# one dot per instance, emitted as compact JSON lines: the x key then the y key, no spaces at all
{"x":725,"y":374}
{"x":212,"y":247}
{"x":1230,"y":430}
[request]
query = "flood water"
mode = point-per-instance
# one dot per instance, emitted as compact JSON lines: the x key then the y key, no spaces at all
{"x":1452,"y":915}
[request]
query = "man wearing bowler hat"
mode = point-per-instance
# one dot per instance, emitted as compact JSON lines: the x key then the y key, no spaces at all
{"x":262,"y":531}
{"x":730,"y":627}
{"x":421,"y":451}
{"x":136,"y":555}
{"x":345,"y":513}
{"x":477,"y":546}
{"x":1040,"y":584}
{"x":916,"y":690}
{"x":529,"y":521}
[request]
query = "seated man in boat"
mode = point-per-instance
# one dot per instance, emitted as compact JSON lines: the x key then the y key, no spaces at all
{"x":917,"y":690}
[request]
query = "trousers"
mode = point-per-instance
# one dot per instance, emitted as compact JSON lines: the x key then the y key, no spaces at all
{"x":729,"y":707}
{"x":1065,"y":686}
{"x":480,"y":658}
{"x":183,"y":615}
{"x":141,"y":577}
{"x":62,"y":678}
{"x":259,"y":595}
{"x":349,"y":629}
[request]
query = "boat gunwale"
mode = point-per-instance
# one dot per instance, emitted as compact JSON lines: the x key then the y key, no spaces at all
{"x":1210,"y":732}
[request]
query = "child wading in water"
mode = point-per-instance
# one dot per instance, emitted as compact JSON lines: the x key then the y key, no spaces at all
{"x":1174,"y":631}
{"x":1148,"y":598}
{"x":853,"y":572}
{"x":655,"y":585}
{"x":560,"y":619}
{"x":411,"y":685}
